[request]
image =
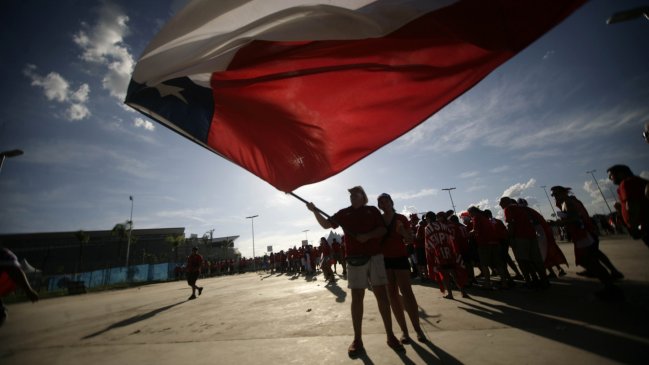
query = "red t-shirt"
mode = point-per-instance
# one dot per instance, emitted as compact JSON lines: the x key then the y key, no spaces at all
{"x":357,"y":221}
{"x":194,"y":262}
{"x":632,"y":190}
{"x":520,"y":222}
{"x":483,"y":231}
{"x":393,"y":245}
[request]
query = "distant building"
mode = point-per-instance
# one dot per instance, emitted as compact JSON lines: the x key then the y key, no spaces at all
{"x":63,"y":252}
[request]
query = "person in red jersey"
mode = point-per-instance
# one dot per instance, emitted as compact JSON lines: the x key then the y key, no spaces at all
{"x":194,"y":263}
{"x":442,"y":255}
{"x":397,"y":267}
{"x":521,"y":224}
{"x":571,"y":216}
{"x":364,"y":229}
{"x":488,"y":248}
{"x":461,"y":234}
{"x":501,"y":233}
{"x":12,"y":276}
{"x":325,"y":260}
{"x":420,"y":250}
{"x":634,"y":200}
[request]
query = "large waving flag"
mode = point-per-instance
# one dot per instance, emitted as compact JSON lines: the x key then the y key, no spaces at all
{"x":296,"y":91}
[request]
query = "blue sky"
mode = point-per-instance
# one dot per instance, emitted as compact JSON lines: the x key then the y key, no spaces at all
{"x":574,"y":101}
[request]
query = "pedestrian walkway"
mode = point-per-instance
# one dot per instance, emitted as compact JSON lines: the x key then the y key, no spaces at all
{"x":259,"y":318}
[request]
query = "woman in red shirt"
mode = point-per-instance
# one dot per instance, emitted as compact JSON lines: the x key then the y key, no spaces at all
{"x":397,"y":266}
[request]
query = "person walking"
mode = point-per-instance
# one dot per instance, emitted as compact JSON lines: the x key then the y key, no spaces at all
{"x":194,"y":263}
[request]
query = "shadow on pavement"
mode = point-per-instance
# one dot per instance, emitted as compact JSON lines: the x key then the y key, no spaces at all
{"x":134,"y":319}
{"x":337,"y":291}
{"x":569,"y":313}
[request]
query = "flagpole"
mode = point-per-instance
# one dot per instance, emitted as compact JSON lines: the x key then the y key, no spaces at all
{"x":306,"y":202}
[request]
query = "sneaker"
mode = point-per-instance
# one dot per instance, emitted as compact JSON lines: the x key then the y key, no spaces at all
{"x":200,"y":290}
{"x":395,"y":344}
{"x":356,"y":348}
{"x":448,"y":296}
{"x":405,"y":340}
{"x":192,"y":297}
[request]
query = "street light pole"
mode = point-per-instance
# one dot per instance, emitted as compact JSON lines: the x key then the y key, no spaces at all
{"x":591,"y":172}
{"x":449,"y":195}
{"x":130,"y":231}
{"x":252,"y":221}
{"x":7,"y":154}
{"x":554,"y":212}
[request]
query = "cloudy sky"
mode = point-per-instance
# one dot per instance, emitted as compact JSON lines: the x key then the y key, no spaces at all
{"x":574,"y":101}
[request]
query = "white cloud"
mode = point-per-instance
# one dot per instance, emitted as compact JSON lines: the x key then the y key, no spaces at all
{"x":54,"y":85}
{"x":81,"y":95}
{"x":605,"y":185}
{"x":468,"y":174}
{"x":482,"y":204}
{"x":141,"y":123}
{"x":499,"y":169}
{"x":77,"y":112}
{"x":103,"y":44}
{"x":56,"y":88}
{"x":548,"y":54}
{"x":517,"y":189}
{"x":419,"y":194}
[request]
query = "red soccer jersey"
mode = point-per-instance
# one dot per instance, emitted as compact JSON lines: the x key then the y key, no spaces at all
{"x":520,"y":222}
{"x":357,"y":221}
{"x":440,"y":243}
{"x":393,"y":245}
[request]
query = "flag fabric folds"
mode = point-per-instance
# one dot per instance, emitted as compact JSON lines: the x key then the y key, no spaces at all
{"x":297,"y":91}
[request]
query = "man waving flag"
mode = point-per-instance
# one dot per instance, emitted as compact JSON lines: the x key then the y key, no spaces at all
{"x":296,"y":91}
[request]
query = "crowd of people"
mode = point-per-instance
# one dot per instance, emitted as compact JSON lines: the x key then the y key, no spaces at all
{"x":384,"y":250}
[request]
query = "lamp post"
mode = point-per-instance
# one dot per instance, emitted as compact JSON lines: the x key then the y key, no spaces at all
{"x":7,"y":154}
{"x":591,"y":172}
{"x":252,"y":221}
{"x":554,"y":212}
{"x":130,"y":231}
{"x":449,"y":195}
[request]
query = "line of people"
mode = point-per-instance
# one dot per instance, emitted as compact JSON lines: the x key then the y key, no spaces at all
{"x":384,"y":250}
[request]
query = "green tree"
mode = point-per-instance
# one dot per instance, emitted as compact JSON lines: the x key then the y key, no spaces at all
{"x":121,"y":232}
{"x":83,"y":239}
{"x":175,"y":240}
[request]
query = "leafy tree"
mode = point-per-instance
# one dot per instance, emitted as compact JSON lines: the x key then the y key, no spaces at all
{"x":175,"y":241}
{"x":83,"y":239}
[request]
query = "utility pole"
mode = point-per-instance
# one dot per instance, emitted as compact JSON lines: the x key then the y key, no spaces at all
{"x":449,"y":195}
{"x":554,"y":212}
{"x":252,"y":221}
{"x":130,"y":231}
{"x":591,"y":172}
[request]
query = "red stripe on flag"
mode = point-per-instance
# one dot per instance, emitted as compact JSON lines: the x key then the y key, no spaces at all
{"x":295,"y":113}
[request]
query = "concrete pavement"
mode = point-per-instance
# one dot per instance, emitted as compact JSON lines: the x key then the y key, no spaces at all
{"x":279,"y":319}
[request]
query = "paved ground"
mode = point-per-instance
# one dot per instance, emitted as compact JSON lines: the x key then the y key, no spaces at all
{"x":273,"y":319}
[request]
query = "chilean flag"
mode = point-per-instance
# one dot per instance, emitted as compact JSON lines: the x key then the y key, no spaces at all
{"x":296,"y":91}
